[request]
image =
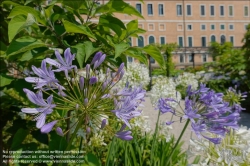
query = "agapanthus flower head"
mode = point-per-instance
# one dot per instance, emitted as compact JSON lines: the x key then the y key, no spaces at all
{"x":63,"y":64}
{"x":208,"y":113}
{"x":87,"y":97}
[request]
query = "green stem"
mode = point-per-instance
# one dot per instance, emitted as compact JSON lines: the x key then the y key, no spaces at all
{"x":109,"y":151}
{"x":176,"y":144}
{"x":154,"y":138}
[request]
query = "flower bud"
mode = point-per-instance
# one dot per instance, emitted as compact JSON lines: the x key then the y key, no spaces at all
{"x":88,"y":130}
{"x":81,"y":83}
{"x":77,"y":106}
{"x":104,"y":85}
{"x":104,"y":122}
{"x":59,"y":131}
{"x":87,"y":70}
{"x":120,"y":68}
{"x":96,"y":57}
{"x":86,"y":101}
{"x":93,"y":80}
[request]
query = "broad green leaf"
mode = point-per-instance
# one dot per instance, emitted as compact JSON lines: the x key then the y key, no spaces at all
{"x":92,"y":160}
{"x":18,"y":23}
{"x":120,"y":48}
{"x":73,"y":28}
{"x":155,"y":53}
{"x":24,"y":10}
{"x":118,"y":6}
{"x":49,"y":11}
{"x":23,"y":44}
{"x":137,"y":53}
{"x":3,"y":48}
{"x":5,"y":80}
{"x":132,"y":26}
{"x":19,"y":136}
{"x":11,"y":3}
{"x":35,"y":53}
{"x":113,"y":23}
{"x":57,"y":142}
{"x":43,"y":138}
{"x":84,"y":50}
{"x":73,"y":4}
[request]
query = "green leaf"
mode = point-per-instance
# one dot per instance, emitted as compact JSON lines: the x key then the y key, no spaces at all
{"x":118,"y":6}
{"x":73,"y":28}
{"x":18,"y":23}
{"x":196,"y":160}
{"x":35,"y":53}
{"x":120,"y":48}
{"x":136,"y":52}
{"x":5,"y":80}
{"x":155,"y":53}
{"x":11,"y":3}
{"x":19,"y":136}
{"x":113,"y":23}
{"x":24,"y":10}
{"x":92,"y":160}
{"x":57,"y":142}
{"x":23,"y":44}
{"x":3,"y":48}
{"x":43,"y":138}
{"x":73,"y":4}
{"x":84,"y":50}
{"x":132,"y":26}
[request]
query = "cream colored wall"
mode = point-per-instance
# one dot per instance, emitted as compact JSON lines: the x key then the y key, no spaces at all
{"x":171,"y":22}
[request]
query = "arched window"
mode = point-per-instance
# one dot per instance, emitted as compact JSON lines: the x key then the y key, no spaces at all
{"x":222,"y":39}
{"x":151,"y":40}
{"x":213,"y":39}
{"x":140,"y":41}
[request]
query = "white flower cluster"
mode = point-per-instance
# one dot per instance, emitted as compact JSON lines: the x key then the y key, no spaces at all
{"x":234,"y":149}
{"x":136,"y":74}
{"x":97,"y":140}
{"x":142,"y":123}
{"x":186,"y":79}
{"x":164,"y":87}
{"x":164,"y":130}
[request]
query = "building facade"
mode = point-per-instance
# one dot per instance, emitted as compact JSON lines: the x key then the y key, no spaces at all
{"x":192,"y":24}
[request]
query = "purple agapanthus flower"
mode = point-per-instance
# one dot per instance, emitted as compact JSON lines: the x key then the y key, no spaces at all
{"x":127,"y":106}
{"x":46,"y":77}
{"x":48,"y":127}
{"x":44,"y":109}
{"x":63,"y":64}
{"x":124,"y":135}
{"x":208,"y":113}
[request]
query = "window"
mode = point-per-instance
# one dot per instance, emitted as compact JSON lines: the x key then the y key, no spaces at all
{"x":182,"y":58}
{"x":231,"y":27}
{"x":203,"y":41}
{"x":212,"y":10}
{"x":202,"y":10}
{"x":232,"y":39}
{"x":150,"y":9}
{"x":190,"y":58}
{"x":151,"y":27}
{"x":213,"y":39}
{"x":140,"y":41}
{"x":212,"y":27}
{"x":162,"y":40}
{"x":152,"y":60}
{"x":180,"y":41}
{"x":179,"y":27}
{"x":203,"y":27}
{"x":222,"y":11}
{"x":246,"y":27}
{"x":162,"y":27}
{"x":204,"y":57}
{"x":189,"y":27}
{"x":151,"y":40}
{"x":222,"y":39}
{"x":130,"y":59}
{"x":138,"y":8}
{"x":179,"y":10}
{"x":190,"y":41}
{"x":246,"y":11}
{"x":230,"y":11}
{"x":222,"y":26}
{"x":160,"y":8}
{"x":189,"y":12}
